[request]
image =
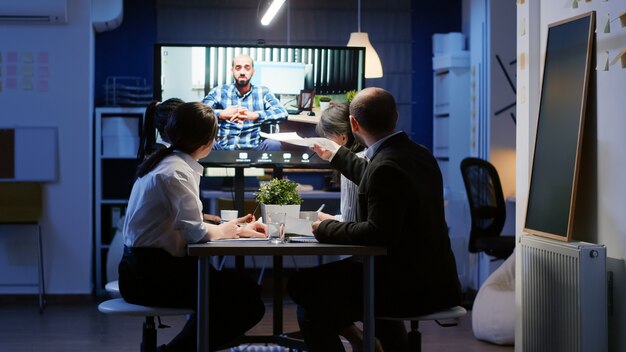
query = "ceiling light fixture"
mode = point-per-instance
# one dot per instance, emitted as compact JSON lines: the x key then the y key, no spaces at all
{"x":373,"y":67}
{"x":271,"y":12}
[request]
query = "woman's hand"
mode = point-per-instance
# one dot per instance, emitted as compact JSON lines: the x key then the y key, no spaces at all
{"x":254,"y":229}
{"x":227,"y":230}
{"x":245,"y":226}
{"x":246,"y":219}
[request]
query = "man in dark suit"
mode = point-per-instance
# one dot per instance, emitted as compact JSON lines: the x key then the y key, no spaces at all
{"x":401,"y":208}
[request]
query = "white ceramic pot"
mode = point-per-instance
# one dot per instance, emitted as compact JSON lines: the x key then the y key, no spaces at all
{"x":293,"y":211}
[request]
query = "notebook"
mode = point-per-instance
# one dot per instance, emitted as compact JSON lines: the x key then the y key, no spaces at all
{"x":303,"y":239}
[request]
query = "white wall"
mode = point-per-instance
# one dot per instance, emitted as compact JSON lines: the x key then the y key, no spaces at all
{"x":600,"y":215}
{"x":501,"y":93}
{"x":491,"y":33}
{"x":66,"y":103}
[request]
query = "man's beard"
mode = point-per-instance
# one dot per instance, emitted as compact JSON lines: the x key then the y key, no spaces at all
{"x":242,"y":81}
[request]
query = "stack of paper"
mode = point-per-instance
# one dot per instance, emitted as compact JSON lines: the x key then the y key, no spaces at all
{"x":294,"y":138}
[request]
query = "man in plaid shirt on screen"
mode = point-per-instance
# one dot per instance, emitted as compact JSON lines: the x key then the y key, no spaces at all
{"x":242,"y":108}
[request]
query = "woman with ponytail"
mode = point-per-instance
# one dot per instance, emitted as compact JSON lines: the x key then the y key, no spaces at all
{"x":155,"y":118}
{"x":164,"y":216}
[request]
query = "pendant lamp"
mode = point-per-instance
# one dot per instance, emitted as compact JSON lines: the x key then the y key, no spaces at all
{"x":373,"y":67}
{"x":272,"y":10}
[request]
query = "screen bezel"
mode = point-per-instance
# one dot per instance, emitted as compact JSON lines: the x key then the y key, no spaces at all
{"x":230,"y":158}
{"x":530,"y":224}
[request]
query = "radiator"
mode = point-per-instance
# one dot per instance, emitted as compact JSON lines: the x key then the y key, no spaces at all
{"x":564,"y":296}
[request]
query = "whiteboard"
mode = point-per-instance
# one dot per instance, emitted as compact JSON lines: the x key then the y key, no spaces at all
{"x":280,"y":77}
{"x":35,"y":154}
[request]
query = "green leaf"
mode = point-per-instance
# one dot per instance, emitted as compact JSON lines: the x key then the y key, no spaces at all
{"x":279,"y":191}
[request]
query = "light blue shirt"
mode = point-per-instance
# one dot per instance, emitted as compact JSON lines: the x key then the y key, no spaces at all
{"x":371,"y":150}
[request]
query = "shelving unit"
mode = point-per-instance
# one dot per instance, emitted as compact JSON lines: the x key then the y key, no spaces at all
{"x":116,"y":141}
{"x":452,"y":133}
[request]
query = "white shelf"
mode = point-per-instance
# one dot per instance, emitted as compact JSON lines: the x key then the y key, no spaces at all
{"x":451,"y":136}
{"x":122,"y":130}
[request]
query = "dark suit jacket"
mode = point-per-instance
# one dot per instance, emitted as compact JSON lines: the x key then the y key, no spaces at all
{"x":400,"y":207}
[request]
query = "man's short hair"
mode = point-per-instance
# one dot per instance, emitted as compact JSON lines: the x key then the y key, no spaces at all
{"x":375,"y":110}
{"x":232,"y":64}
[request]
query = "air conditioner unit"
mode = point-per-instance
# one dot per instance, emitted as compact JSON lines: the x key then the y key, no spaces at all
{"x":106,"y":15}
{"x":33,"y":11}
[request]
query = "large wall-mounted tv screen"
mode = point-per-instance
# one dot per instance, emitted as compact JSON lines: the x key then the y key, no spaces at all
{"x":191,"y":72}
{"x":552,"y":191}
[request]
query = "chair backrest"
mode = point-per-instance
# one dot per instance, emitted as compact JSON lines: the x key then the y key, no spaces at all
{"x":20,"y":202}
{"x":485,"y":197}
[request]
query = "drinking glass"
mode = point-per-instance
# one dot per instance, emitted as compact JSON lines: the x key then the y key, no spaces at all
{"x":276,"y":227}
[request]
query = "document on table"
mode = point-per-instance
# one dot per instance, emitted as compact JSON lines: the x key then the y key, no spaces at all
{"x":303,"y":239}
{"x":301,"y":227}
{"x":294,"y":138}
{"x":242,"y":239}
{"x":294,"y":226}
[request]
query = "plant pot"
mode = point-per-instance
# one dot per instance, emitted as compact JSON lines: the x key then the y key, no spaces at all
{"x":324,"y":105}
{"x":293,"y":211}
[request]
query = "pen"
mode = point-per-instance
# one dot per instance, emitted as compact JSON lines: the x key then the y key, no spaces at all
{"x":255,"y":209}
{"x":321,"y":207}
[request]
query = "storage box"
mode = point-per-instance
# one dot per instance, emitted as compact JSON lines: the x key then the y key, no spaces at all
{"x":114,"y":146}
{"x":448,"y":43}
{"x":120,"y":126}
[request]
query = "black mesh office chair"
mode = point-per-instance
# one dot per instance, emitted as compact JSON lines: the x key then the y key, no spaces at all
{"x":487,"y":209}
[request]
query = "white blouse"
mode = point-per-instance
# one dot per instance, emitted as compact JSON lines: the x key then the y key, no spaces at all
{"x":349,"y":197}
{"x":164,"y":209}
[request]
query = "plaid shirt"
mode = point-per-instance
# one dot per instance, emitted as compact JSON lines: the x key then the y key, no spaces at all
{"x":234,"y":136}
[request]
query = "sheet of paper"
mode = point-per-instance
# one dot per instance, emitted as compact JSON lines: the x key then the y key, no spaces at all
{"x":301,"y":227}
{"x":303,"y":239}
{"x":294,"y":138}
{"x":241,"y":239}
{"x":281,"y":136}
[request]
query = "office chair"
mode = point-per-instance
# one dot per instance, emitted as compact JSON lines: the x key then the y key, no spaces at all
{"x":21,"y":204}
{"x":487,"y":209}
{"x":118,"y":306}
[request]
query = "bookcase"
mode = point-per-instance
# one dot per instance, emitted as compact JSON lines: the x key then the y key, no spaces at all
{"x":452,"y":135}
{"x":116,"y":140}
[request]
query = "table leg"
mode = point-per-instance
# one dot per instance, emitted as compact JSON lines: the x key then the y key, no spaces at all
{"x":277,"y":327}
{"x":368,"y":304}
{"x":202,"y":313}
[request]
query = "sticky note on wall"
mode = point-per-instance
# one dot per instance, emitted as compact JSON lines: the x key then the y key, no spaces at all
{"x":621,"y":57}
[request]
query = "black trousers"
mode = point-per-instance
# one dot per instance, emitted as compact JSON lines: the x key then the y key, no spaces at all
{"x":330,"y":298}
{"x":153,"y":277}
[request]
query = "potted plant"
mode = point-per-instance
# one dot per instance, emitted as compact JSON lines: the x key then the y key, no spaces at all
{"x":324,"y":101}
{"x":350,"y":95}
{"x":279,"y":195}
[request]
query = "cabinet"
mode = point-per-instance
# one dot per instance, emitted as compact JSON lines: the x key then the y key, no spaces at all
{"x":452,"y":136}
{"x":116,"y":132}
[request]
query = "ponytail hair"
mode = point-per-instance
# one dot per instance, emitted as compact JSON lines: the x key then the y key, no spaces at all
{"x":191,"y":126}
{"x":148,"y":135}
{"x":155,"y":118}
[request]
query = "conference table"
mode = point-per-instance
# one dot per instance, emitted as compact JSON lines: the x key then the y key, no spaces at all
{"x":204,"y":252}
